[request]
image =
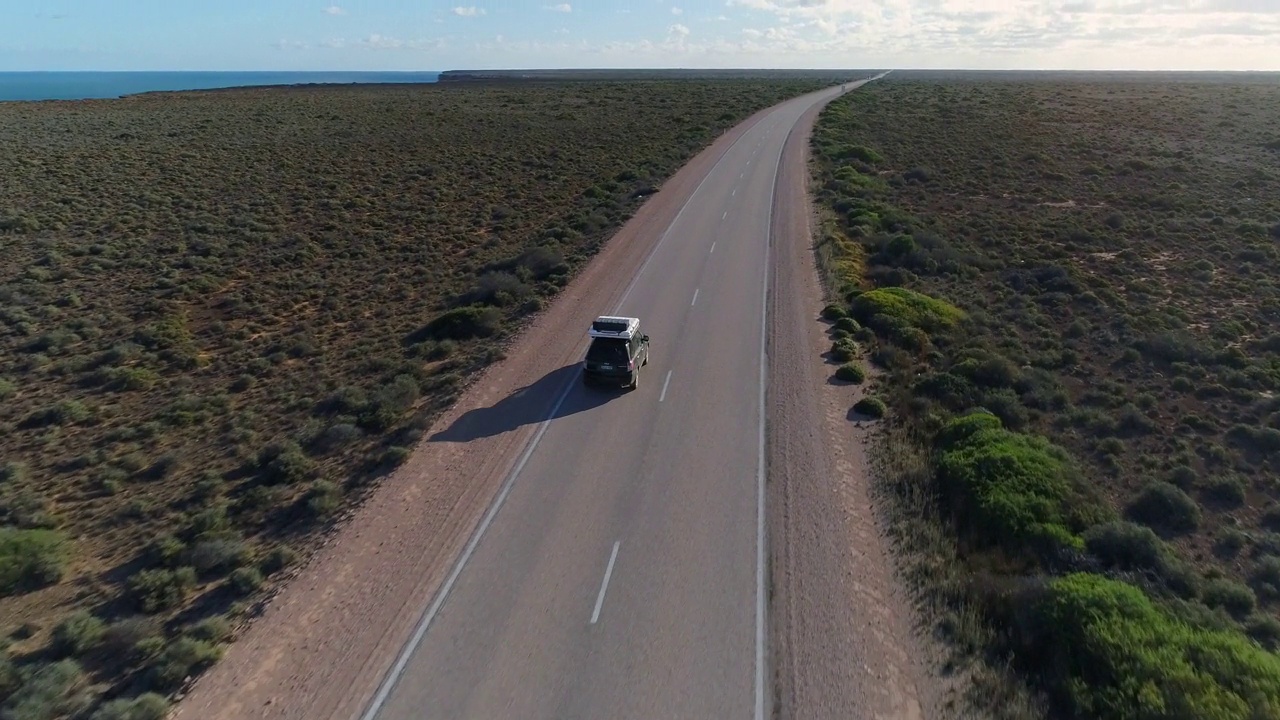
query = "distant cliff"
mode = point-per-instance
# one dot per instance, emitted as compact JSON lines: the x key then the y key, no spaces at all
{"x":653,"y":74}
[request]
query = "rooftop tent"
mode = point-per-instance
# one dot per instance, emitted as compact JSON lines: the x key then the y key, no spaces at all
{"x":608,"y":326}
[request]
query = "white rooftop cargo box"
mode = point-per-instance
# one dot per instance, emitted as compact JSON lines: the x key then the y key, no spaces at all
{"x":608,"y":326}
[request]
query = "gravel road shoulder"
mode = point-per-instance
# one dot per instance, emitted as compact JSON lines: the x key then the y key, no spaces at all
{"x":842,"y":624}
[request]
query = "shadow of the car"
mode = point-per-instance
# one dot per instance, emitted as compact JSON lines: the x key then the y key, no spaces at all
{"x":528,"y":405}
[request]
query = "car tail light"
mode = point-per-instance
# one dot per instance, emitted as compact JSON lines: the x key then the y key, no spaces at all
{"x":631,"y":365}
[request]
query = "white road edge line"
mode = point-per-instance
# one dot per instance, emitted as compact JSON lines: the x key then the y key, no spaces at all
{"x":604,"y":585}
{"x":391,"y":678}
{"x":760,"y":450}
{"x":665,"y":383}
{"x":760,"y":456}
{"x":695,"y":298}
{"x":389,"y":683}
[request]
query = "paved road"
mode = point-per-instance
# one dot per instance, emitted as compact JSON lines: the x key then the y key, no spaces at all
{"x":621,"y":574}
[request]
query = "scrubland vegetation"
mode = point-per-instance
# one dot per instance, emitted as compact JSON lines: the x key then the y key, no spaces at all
{"x":223,"y":314}
{"x":1069,"y":294}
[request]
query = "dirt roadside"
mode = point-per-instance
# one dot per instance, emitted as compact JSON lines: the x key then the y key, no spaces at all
{"x":842,"y":625}
{"x":321,"y":645}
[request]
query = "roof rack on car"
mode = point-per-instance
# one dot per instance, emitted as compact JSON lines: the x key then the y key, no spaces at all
{"x":610,"y":326}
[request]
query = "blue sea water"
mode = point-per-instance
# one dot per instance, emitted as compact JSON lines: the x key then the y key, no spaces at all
{"x":85,"y":85}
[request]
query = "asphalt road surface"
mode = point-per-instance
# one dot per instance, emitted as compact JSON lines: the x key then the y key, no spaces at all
{"x":620,"y":572}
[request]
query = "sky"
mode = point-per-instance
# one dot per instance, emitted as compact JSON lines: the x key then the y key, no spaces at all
{"x":477,"y":34}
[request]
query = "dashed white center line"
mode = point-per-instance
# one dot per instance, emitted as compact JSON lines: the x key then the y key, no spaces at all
{"x":713,"y":246}
{"x":604,"y":585}
{"x":665,"y":383}
{"x":735,"y":192}
{"x":725,"y":215}
{"x":695,"y":298}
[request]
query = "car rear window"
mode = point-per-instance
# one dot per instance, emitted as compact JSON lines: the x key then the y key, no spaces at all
{"x":606,"y":350}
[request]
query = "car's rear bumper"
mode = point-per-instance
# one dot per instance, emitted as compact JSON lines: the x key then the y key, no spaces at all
{"x":604,"y":377}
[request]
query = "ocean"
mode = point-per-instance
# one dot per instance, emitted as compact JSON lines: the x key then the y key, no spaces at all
{"x":86,"y":85}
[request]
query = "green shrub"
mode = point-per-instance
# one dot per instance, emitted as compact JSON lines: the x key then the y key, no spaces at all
{"x":122,"y":637}
{"x":1265,"y":629}
{"x":389,"y":402}
{"x":834,"y":312}
{"x":284,"y":462}
{"x":871,"y":407}
{"x":960,"y":430}
{"x":461,"y":323}
{"x":1165,"y":507}
{"x":53,"y":692}
{"x":10,"y":677}
{"x":1009,"y":489}
{"x":324,"y":498}
{"x":851,"y":372}
{"x":179,"y":658}
{"x":26,"y":511}
{"x":78,"y":633}
{"x":1124,"y":545}
{"x":1266,"y":577}
{"x":217,"y":551}
{"x":395,"y":456}
{"x":951,"y":390}
{"x":148,"y":706}
{"x":1231,"y":596}
{"x":131,"y":378}
{"x":30,"y":559}
{"x":338,"y":436}
{"x":159,"y":590}
{"x":66,"y":412}
{"x":279,"y":558}
{"x":1184,"y":476}
{"x":245,"y":580}
{"x":7,"y":388}
{"x":12,"y":472}
{"x":213,"y":629}
{"x":1228,"y":490}
{"x":1114,"y":654}
{"x":848,"y":325}
{"x":857,"y":152}
{"x":906,"y":307}
{"x":844,"y":350}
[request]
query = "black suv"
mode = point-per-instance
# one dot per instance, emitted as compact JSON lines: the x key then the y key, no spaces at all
{"x":617,"y":352}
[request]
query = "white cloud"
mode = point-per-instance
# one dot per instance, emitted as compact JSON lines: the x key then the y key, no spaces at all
{"x":1122,"y":34}
{"x":1086,"y":34}
{"x":334,"y":10}
{"x":382,"y":42}
{"x":562,"y":7}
